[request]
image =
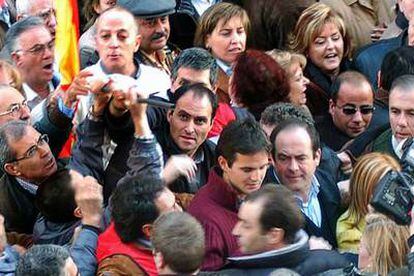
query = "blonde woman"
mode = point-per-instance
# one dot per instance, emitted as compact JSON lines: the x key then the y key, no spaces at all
{"x":10,"y":76}
{"x":293,"y":64}
{"x":320,"y":35}
{"x":384,"y":245}
{"x":369,"y":169}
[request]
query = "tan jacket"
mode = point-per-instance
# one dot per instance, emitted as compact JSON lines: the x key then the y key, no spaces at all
{"x":361,"y":16}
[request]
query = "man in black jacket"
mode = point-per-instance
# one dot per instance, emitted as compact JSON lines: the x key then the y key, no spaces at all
{"x":270,"y":232}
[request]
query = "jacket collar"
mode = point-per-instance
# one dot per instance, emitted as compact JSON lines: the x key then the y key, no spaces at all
{"x":222,"y":192}
{"x":287,"y":256}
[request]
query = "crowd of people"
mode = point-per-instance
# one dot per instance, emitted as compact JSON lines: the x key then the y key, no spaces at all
{"x":211,"y":138}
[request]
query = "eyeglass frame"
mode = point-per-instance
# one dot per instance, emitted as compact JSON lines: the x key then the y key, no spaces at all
{"x":356,"y":109}
{"x":39,"y":49}
{"x":19,"y":106}
{"x":43,"y":139}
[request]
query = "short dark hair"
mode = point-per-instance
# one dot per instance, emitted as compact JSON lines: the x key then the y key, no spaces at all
{"x":180,"y":239}
{"x":42,"y":260}
{"x":279,"y":112}
{"x":199,"y":90}
{"x":396,"y":63}
{"x":295,"y":123}
{"x":279,"y":210}
{"x":133,"y":206}
{"x":197,"y":59}
{"x":243,"y":137}
{"x":55,"y":197}
{"x":10,"y":132}
{"x":351,"y":77}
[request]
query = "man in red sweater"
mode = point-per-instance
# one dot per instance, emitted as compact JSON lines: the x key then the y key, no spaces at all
{"x":243,"y":158}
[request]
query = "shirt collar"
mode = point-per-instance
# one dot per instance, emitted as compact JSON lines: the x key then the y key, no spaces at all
{"x":106,"y":72}
{"x":313,"y":192}
{"x":31,"y":94}
{"x":225,"y":67}
{"x":397,"y":146}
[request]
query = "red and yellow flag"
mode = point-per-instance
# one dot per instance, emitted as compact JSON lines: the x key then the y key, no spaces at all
{"x":67,"y":54}
{"x":67,"y":35}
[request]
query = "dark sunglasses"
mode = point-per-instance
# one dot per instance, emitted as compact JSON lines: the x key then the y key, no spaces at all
{"x":351,"y":109}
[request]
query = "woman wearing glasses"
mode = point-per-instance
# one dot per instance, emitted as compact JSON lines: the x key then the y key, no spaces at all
{"x":321,"y":36}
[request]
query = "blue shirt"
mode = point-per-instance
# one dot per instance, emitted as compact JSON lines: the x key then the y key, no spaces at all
{"x":312,"y":208}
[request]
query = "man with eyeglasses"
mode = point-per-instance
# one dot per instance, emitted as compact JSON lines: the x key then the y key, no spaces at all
{"x":351,"y":108}
{"x":31,"y":48}
{"x":26,"y":159}
{"x":154,"y":28}
{"x":41,"y":8}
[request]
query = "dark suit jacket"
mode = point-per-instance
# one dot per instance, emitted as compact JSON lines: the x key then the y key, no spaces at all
{"x":329,"y":200}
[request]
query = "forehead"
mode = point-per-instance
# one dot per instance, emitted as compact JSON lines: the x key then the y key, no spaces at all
{"x":402,"y":99}
{"x":233,"y":23}
{"x":194,"y":105}
{"x":293,"y":141}
{"x":9,"y":96}
{"x":115,"y":20}
{"x":28,"y":139}
{"x":257,"y":159}
{"x":355,"y":93}
{"x":327,"y":29}
{"x":36,"y":35}
{"x":38,"y":6}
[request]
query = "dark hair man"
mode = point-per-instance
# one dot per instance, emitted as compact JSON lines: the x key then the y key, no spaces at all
{"x":296,"y":154}
{"x":243,"y":157}
{"x":350,"y":110}
{"x":269,"y":222}
{"x":178,"y":241}
{"x":124,"y":247}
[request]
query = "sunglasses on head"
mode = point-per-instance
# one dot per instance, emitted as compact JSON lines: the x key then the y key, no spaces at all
{"x":351,"y":109}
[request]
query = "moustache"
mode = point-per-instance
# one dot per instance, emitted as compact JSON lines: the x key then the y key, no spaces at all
{"x":158,"y":35}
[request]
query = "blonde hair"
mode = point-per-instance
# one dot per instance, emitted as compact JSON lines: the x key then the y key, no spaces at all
{"x":386,"y":243}
{"x":212,"y":16}
{"x":286,"y":59}
{"x":14,"y":74}
{"x":369,"y":169}
{"x":310,"y":25}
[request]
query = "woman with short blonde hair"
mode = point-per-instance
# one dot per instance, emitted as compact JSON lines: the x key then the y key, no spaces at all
{"x":320,"y":34}
{"x":368,"y":171}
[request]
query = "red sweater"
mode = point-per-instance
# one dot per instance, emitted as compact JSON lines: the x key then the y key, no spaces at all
{"x":215,"y":206}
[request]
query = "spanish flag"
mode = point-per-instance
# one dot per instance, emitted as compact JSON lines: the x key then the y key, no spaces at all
{"x":67,"y":35}
{"x":67,"y":54}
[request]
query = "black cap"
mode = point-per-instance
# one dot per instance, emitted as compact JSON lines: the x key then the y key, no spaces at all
{"x":148,"y":8}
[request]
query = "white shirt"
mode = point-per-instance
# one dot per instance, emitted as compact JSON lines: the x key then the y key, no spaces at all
{"x":202,"y":5}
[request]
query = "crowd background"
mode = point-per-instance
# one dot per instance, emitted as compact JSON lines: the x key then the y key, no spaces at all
{"x":204,"y":137}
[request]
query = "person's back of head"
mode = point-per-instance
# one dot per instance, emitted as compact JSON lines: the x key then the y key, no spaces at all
{"x":55,"y":198}
{"x":41,"y":260}
{"x":198,"y":60}
{"x":276,"y":113}
{"x":383,"y":246}
{"x":133,"y":206}
{"x":178,"y":241}
{"x":396,"y":63}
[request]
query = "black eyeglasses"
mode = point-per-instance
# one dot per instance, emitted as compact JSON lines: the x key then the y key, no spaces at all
{"x":352,"y":109}
{"x":43,"y":140}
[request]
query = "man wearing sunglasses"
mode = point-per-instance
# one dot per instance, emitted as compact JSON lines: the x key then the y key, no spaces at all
{"x":350,"y":110}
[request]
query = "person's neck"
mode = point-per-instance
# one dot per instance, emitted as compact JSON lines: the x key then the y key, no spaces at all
{"x":304,"y":193}
{"x":240,"y":194}
{"x":168,"y":271}
{"x":41,"y":89}
{"x":151,"y":53}
{"x":332,"y":74}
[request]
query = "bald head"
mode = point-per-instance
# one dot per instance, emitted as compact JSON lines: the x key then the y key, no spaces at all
{"x":127,"y":16}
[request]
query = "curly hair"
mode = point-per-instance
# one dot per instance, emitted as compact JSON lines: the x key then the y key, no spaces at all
{"x":258,"y":81}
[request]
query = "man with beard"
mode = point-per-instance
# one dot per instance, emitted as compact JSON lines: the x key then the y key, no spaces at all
{"x":154,"y":28}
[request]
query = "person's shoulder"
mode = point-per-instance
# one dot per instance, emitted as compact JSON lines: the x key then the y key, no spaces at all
{"x":320,"y":260}
{"x":119,"y":265}
{"x":380,"y":45}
